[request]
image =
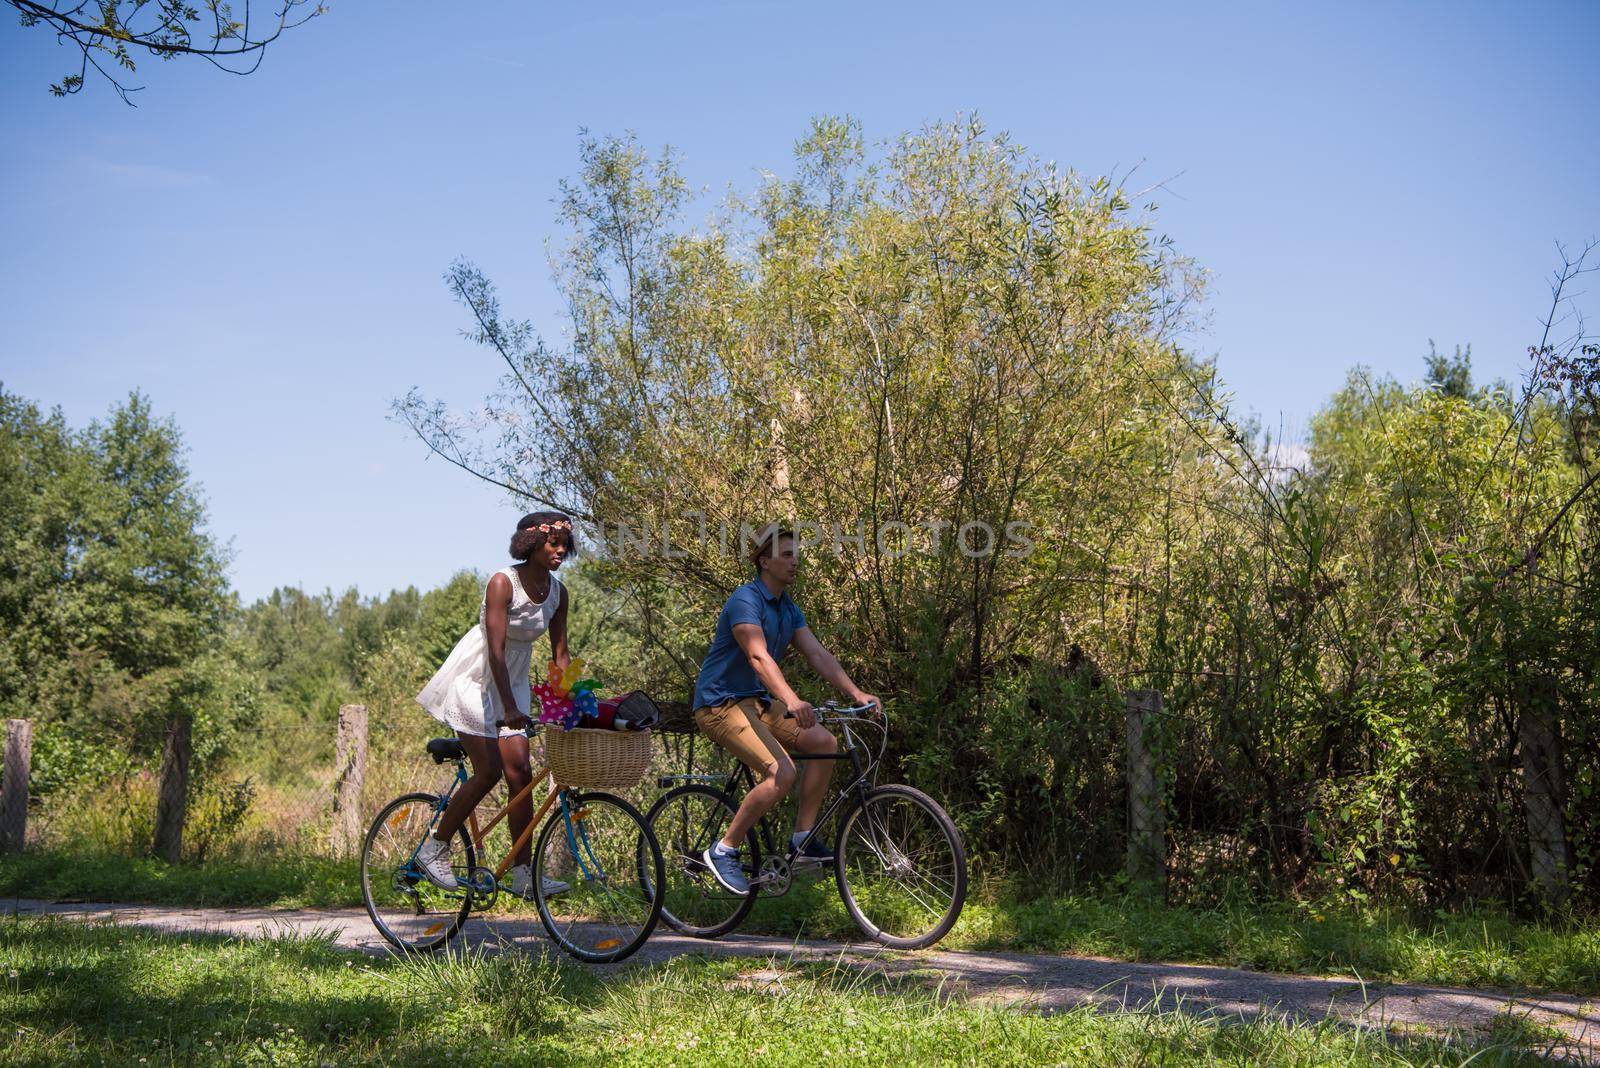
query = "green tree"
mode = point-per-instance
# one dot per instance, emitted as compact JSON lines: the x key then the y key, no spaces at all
{"x":1360,"y":655}
{"x":945,"y":335}
{"x":446,"y":613}
{"x":1450,"y":375}
{"x":113,"y":598}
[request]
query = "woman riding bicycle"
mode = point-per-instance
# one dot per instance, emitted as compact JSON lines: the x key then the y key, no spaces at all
{"x":744,"y":704}
{"x":482,"y":691}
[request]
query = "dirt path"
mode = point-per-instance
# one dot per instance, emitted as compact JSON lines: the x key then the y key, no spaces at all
{"x":1041,"y":981}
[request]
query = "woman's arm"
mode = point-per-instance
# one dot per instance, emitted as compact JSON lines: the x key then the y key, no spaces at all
{"x":497,"y":602}
{"x":558,"y":631}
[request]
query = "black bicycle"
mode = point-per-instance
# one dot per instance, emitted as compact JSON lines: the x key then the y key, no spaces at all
{"x":898,"y":858}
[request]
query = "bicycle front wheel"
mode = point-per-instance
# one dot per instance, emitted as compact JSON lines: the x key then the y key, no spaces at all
{"x":597,"y":877}
{"x":406,"y":908}
{"x":687,"y":821}
{"x":901,"y":868}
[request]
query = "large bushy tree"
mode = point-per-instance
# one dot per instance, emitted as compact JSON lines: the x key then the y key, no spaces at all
{"x":907,"y":342}
{"x":1360,"y":652}
{"x":113,"y":598}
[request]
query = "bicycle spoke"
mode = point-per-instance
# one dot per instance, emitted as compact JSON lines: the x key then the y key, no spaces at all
{"x":595,"y":848}
{"x":924,"y":902}
{"x":902,"y":872}
{"x":686,"y":822}
{"x":408,"y":910}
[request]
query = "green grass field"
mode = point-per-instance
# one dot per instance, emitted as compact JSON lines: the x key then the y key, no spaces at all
{"x":74,"y":993}
{"x":1479,"y":948}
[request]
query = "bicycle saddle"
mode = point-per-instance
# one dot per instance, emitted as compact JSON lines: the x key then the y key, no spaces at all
{"x":442,"y":749}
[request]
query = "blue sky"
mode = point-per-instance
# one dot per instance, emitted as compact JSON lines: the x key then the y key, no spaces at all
{"x":262,"y":255}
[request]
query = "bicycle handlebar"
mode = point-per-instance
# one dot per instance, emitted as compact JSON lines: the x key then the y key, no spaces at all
{"x":833,"y":711}
{"x":870,"y":717}
{"x":829,"y":712}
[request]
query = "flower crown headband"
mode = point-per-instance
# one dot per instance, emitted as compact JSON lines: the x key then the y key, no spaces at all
{"x":545,"y":528}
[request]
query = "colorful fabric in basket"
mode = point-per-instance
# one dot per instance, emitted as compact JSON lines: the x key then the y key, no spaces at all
{"x":569,"y":699}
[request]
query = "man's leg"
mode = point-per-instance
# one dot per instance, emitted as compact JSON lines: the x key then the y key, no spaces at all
{"x":759,"y":751}
{"x":737,"y":728}
{"x":816,"y":740}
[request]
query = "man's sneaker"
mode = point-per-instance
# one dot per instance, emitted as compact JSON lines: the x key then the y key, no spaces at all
{"x":522,"y":883}
{"x":725,"y":867}
{"x":435,"y":863}
{"x":814,"y":853}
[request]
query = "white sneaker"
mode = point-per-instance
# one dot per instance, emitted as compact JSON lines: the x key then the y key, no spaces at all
{"x":522,"y":883}
{"x":435,"y":864}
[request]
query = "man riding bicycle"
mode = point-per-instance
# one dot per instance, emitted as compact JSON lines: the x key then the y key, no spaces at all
{"x":744,"y":704}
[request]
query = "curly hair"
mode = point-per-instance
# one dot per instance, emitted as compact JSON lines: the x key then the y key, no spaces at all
{"x":529,"y":536}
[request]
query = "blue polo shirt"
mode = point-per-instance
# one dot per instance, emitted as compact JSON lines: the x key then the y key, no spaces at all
{"x":725,"y":673}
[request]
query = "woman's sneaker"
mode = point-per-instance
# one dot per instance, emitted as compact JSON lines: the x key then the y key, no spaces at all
{"x":725,"y":868}
{"x":522,"y":883}
{"x":434,"y":861}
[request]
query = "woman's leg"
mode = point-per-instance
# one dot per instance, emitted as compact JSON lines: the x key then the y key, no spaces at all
{"x":519,"y":773}
{"x":485,"y":757}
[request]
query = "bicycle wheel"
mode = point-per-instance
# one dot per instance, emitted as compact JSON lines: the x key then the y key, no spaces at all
{"x":407,"y":909}
{"x":901,"y":869}
{"x":686,"y":821}
{"x":592,"y":843}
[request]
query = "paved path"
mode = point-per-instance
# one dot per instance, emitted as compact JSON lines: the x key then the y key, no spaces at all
{"x":1045,"y":982}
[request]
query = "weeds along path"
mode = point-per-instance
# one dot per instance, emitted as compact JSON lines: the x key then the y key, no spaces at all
{"x":1036,"y":982}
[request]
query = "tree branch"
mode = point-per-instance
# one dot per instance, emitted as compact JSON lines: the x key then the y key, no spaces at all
{"x":169,"y":37}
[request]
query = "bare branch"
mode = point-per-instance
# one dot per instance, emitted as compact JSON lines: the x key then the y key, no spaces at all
{"x":170,"y":35}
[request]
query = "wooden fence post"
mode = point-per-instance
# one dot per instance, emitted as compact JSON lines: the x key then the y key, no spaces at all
{"x":349,"y":773}
{"x":172,"y":802}
{"x":1147,"y":818}
{"x":14,"y":785}
{"x":1544,"y":790}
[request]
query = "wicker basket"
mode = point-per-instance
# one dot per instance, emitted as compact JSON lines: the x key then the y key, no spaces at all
{"x":593,"y":759}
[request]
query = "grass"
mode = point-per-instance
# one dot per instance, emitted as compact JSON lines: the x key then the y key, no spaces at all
{"x":74,"y":993}
{"x":1519,"y":1028}
{"x":1478,"y":948}
{"x":284,"y":881}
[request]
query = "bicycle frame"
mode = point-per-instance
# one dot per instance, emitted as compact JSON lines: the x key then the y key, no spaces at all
{"x":851,"y":751}
{"x":478,"y":834}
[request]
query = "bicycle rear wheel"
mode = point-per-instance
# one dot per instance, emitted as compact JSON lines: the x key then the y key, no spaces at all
{"x":901,"y":868}
{"x":408,"y":910}
{"x":602,"y":849}
{"x":686,"y":821}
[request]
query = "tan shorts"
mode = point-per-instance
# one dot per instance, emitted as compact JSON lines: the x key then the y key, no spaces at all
{"x":752,"y":729}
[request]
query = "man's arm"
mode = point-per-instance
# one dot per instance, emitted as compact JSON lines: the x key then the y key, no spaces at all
{"x":753,"y":641}
{"x":827,"y":665}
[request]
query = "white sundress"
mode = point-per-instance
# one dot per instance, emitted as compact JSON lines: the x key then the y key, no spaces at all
{"x":462,"y":694}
